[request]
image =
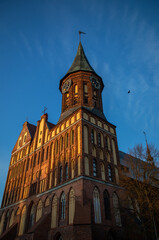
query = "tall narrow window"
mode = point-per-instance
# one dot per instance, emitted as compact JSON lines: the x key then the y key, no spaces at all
{"x":99,"y":139}
{"x":72,"y":169}
{"x":39,"y":211}
{"x":66,"y":170}
{"x":110,"y":177}
{"x":61,"y":174}
{"x":107,"y":205}
{"x":71,"y":206}
{"x":54,"y":212}
{"x":31,"y":216}
{"x":63,"y":205}
{"x":116,"y":209}
{"x":92,"y":136}
{"x":76,"y":89}
{"x":34,"y":162}
{"x":96,"y":203}
{"x":61,"y":143}
{"x":22,"y":221}
{"x":102,"y":171}
{"x":47,"y":152}
{"x":56,"y":147}
{"x":72,"y":137}
{"x":39,"y":158}
{"x":94,"y":168}
{"x":66,"y":140}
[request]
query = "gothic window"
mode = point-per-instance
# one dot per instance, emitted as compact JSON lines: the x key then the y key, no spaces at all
{"x":6,"y":221}
{"x":47,"y":152}
{"x":54,"y":212}
{"x":76,"y":89}
{"x":116,"y":209}
{"x":39,"y":210}
{"x":107,"y":205}
{"x":62,"y":206}
{"x":60,"y":174}
{"x":66,"y":140}
{"x":22,"y":221}
{"x":96,"y":203}
{"x":56,"y":147}
{"x":42,"y":156}
{"x":110,"y":177}
{"x":34,"y":163}
{"x":92,"y":136}
{"x":94,"y":168}
{"x":71,"y":206}
{"x":86,"y":139}
{"x":99,"y":139}
{"x":31,"y":216}
{"x":66,"y":170}
{"x":61,"y":143}
{"x":27,"y":166}
{"x":72,"y":136}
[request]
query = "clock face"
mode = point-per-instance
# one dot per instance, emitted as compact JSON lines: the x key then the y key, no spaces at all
{"x":66,"y":86}
{"x":95,"y":82}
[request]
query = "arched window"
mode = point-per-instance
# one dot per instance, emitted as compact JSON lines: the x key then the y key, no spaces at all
{"x":94,"y":167}
{"x":71,"y":206}
{"x":114,"y":152}
{"x":47,"y":152}
{"x":56,"y":147}
{"x":76,"y":89}
{"x":72,"y":136}
{"x":102,"y":171}
{"x":61,"y":143}
{"x":66,"y":140}
{"x":107,"y":204}
{"x":86,"y":139}
{"x":66,"y":170}
{"x":92,"y":136}
{"x":22,"y":221}
{"x":96,"y":203}
{"x":6,"y":221}
{"x":54,"y":212}
{"x":34,"y":163}
{"x":39,"y":210}
{"x":42,"y":155}
{"x":62,"y":205}
{"x":61,"y":174}
{"x":11,"y":221}
{"x":110,"y":177}
{"x":99,"y":139}
{"x":47,"y":202}
{"x":31,"y":216}
{"x":116,"y":209}
{"x":2,"y":222}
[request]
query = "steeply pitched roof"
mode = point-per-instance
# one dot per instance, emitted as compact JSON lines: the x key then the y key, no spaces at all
{"x":32,"y":129}
{"x":80,"y":62}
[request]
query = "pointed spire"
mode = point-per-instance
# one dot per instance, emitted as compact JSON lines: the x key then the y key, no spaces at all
{"x":80,"y":62}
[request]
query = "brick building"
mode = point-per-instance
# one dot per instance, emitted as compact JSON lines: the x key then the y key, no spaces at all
{"x":63,"y":180}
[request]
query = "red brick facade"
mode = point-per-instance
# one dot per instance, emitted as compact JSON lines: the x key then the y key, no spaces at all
{"x":80,"y":152}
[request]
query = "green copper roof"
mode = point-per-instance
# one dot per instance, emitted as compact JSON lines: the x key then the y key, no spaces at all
{"x":80,"y":62}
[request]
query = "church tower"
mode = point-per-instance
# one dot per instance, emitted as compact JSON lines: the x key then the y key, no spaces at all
{"x":63,"y":179}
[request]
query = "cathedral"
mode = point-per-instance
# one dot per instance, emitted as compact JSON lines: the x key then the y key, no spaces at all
{"x":63,"y":179}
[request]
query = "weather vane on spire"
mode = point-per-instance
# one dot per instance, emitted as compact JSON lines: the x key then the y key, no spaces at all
{"x":80,"y":34}
{"x":45,"y":108}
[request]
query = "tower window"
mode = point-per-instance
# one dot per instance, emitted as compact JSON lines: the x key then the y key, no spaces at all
{"x":94,"y":168}
{"x":85,"y":88}
{"x":86,"y":100}
{"x":99,"y":140}
{"x":76,"y":89}
{"x":110,"y":173}
{"x":92,"y":136}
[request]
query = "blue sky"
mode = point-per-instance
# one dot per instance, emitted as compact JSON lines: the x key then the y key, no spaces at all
{"x":38,"y":43}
